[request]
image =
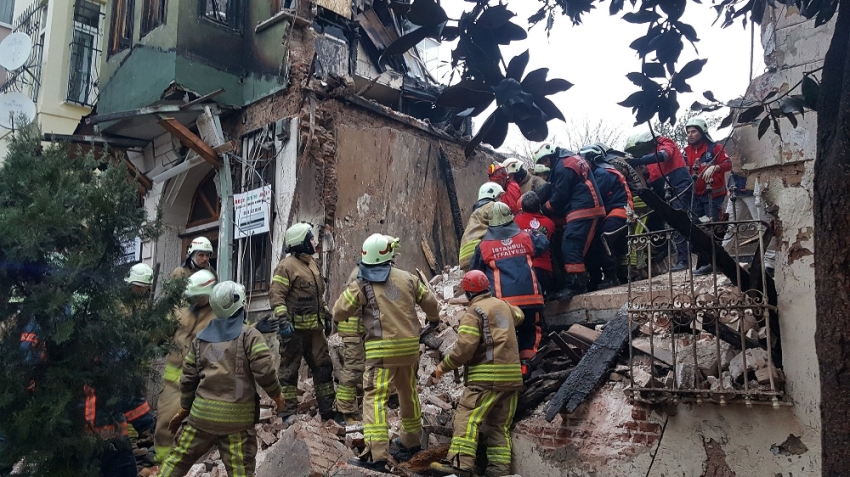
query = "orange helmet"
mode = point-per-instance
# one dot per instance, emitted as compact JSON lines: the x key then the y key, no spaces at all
{"x":497,"y":171}
{"x":475,"y":282}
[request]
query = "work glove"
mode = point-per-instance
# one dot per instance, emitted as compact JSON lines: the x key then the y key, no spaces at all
{"x":279,"y":402}
{"x":268,"y":324}
{"x":174,"y":423}
{"x":329,"y":324}
{"x":437,"y":375}
{"x":286,"y":330}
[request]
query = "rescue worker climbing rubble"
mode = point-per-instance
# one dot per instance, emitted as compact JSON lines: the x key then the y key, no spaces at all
{"x":488,"y":194}
{"x":487,"y":345}
{"x":668,"y":178}
{"x":498,"y":174}
{"x":519,"y":174}
{"x":353,"y":333}
{"x":609,"y":245}
{"x":191,"y":320}
{"x":709,"y":163}
{"x":506,"y":256}
{"x":576,"y":201}
{"x":297,"y":298}
{"x":217,"y":384}
{"x":384,"y":297}
{"x":197,"y":258}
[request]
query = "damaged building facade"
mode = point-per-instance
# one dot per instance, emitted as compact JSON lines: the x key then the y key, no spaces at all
{"x":287,"y":99}
{"x":613,"y":435}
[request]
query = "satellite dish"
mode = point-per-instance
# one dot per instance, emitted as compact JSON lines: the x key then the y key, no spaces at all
{"x":14,"y":105}
{"x":15,"y":50}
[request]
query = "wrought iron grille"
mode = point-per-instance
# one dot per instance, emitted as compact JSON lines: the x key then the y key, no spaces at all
{"x":704,"y":339}
{"x":27,"y":79}
{"x":85,"y":51}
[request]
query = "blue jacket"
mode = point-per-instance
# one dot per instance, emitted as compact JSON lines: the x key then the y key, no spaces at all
{"x":575,"y":194}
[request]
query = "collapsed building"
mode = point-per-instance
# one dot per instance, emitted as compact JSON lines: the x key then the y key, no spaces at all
{"x":291,"y":100}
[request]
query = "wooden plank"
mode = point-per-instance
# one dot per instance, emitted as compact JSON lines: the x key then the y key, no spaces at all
{"x":190,"y":140}
{"x":544,"y":353}
{"x":574,"y":355}
{"x":593,"y":367}
{"x":429,"y":257}
{"x":583,"y":333}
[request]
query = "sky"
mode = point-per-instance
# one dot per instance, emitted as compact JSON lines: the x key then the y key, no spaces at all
{"x":595,"y":57}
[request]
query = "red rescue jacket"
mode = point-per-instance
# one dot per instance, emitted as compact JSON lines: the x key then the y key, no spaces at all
{"x":543,"y":225}
{"x":704,"y":155}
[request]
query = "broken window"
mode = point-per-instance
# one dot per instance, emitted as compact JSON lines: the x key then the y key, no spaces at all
{"x":153,"y":14}
{"x":278,"y":5}
{"x":256,"y":170}
{"x":224,"y":12}
{"x":121,"y":33}
{"x":708,"y":338}
{"x":7,"y":10}
{"x":85,"y":53}
{"x":206,"y":206}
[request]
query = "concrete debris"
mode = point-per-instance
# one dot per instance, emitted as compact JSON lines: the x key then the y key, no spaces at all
{"x":756,"y":359}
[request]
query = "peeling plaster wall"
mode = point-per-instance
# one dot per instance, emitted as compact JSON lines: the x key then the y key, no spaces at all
{"x":732,"y":440}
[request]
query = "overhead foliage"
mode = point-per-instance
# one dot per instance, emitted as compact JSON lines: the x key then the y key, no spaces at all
{"x":520,"y":98}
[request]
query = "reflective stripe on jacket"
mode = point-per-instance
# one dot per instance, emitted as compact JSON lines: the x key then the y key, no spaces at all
{"x":191,"y":320}
{"x":487,"y":345}
{"x":476,"y":227}
{"x":613,"y":189}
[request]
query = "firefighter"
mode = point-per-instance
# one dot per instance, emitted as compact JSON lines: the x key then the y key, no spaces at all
{"x":709,"y":164}
{"x":519,"y":174}
{"x":498,"y":174}
{"x":668,"y":178}
{"x":488,"y":194}
{"x":384,"y":297}
{"x":575,"y":200}
{"x":140,"y":279}
{"x":532,"y":220}
{"x":197,"y":258}
{"x":506,"y":256}
{"x":487,"y":345}
{"x":191,"y":320}
{"x":609,"y":245}
{"x":297,"y":299}
{"x":217,"y":389}
{"x":350,"y":376}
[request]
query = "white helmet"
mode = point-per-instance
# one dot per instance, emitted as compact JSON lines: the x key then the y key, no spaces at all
{"x":490,"y":190}
{"x":512,"y":165}
{"x":227,"y":298}
{"x":200,"y":244}
{"x":500,"y":214}
{"x":201,"y":283}
{"x":296,"y":234}
{"x":140,"y":274}
{"x":544,"y":150}
{"x":377,"y":249}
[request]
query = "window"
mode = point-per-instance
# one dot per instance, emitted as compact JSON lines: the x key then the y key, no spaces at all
{"x":153,"y":14}
{"x":121,"y":35}
{"x":85,"y":53}
{"x":278,"y":5}
{"x":7,"y":9}
{"x":225,"y":12}
{"x":255,"y":171}
{"x":205,"y":204}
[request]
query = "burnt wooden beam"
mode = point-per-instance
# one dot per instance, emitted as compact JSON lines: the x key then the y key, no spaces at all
{"x":593,"y":367}
{"x":538,"y":390}
{"x":568,"y":350}
{"x":448,"y":178}
{"x":190,"y":140}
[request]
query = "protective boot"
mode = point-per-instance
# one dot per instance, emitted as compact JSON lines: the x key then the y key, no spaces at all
{"x":609,"y":280}
{"x":575,"y":285}
{"x":401,"y":453}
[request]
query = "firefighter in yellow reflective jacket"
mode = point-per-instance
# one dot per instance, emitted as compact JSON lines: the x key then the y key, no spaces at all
{"x":476,"y":227}
{"x":217,"y":390}
{"x":191,"y":320}
{"x":350,"y":376}
{"x":297,"y":299}
{"x":487,"y":345}
{"x":385,"y":298}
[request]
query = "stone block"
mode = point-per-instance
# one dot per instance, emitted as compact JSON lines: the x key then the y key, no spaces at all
{"x":756,"y":359}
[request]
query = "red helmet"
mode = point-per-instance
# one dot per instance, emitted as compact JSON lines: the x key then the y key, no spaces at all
{"x":495,"y":171}
{"x":475,"y":282}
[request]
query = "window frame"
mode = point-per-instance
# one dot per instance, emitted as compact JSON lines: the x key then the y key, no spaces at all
{"x":150,"y":20}
{"x":235,"y":23}
{"x":118,"y":44}
{"x":78,"y":30}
